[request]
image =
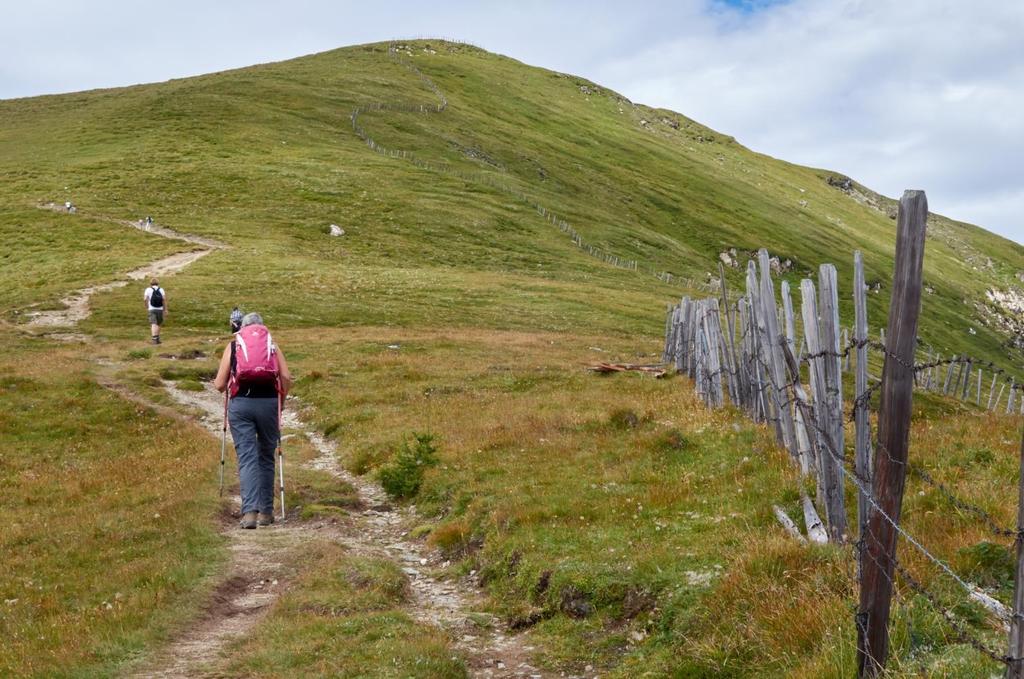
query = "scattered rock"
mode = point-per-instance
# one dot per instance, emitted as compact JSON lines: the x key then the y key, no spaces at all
{"x":575,"y":603}
{"x":637,"y":601}
{"x":700,"y":578}
{"x":337,"y":230}
{"x":1011,"y":300}
{"x":542,"y":583}
{"x":779,"y":266}
{"x":841,"y":183}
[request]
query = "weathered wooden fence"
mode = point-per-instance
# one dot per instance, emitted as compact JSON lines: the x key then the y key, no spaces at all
{"x":758,"y":351}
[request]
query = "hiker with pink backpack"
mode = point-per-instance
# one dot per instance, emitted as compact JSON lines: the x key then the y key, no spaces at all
{"x":254,"y":377}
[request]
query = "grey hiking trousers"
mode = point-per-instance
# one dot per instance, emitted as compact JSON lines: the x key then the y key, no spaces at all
{"x":254,"y":429}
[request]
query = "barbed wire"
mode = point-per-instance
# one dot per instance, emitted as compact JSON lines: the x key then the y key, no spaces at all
{"x":963,"y":505}
{"x":960,"y":629}
{"x":773,"y":403}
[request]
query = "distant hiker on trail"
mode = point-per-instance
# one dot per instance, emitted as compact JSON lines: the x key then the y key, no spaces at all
{"x":256,"y":375}
{"x":235,"y":320}
{"x":156,"y":305}
{"x":69,"y":207}
{"x":149,"y":221}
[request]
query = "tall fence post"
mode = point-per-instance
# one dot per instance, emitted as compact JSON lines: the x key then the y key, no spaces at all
{"x":732,"y":359}
{"x":833,"y":406}
{"x":862,"y":445}
{"x":774,"y":355}
{"x":1015,"y":667}
{"x":893,"y":437}
{"x":760,"y":362}
{"x":803,"y":441}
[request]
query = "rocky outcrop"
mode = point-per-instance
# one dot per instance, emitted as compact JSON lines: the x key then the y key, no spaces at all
{"x":1005,"y":313}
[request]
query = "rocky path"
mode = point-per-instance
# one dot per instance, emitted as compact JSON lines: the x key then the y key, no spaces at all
{"x":258,"y":571}
{"x":77,"y":303}
{"x":377,"y":530}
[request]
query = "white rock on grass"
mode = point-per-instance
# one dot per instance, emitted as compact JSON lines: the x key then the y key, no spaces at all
{"x":337,"y":230}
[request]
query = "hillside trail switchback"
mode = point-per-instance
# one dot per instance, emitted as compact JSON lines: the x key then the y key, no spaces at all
{"x":259,"y":568}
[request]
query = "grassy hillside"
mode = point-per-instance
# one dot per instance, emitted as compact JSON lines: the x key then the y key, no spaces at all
{"x":624,"y":524}
{"x":266,"y":158}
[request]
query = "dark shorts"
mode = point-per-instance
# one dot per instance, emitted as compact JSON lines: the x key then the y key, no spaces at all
{"x":156,"y":316}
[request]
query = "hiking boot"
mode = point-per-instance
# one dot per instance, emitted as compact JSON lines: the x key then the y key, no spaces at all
{"x":248,"y":520}
{"x":156,"y":340}
{"x":264,"y":519}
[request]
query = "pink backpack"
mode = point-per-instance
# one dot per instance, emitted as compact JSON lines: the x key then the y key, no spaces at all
{"x":255,"y":358}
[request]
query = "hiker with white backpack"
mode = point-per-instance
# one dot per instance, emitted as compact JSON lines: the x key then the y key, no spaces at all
{"x":255,"y":378}
{"x":156,"y":305}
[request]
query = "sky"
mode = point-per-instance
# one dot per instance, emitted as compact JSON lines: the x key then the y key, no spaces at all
{"x":897,"y":94}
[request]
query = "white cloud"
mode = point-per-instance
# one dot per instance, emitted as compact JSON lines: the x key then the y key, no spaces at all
{"x":915,"y":93}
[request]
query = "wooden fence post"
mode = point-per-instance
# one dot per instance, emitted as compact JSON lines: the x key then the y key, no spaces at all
{"x":829,"y":312}
{"x":893,"y":437}
{"x":669,"y":323}
{"x":787,"y":315}
{"x":862,"y":445}
{"x":714,"y":365}
{"x":750,"y":396}
{"x":803,"y":441}
{"x":967,"y":378}
{"x":731,"y":357}
{"x":760,"y":364}
{"x":949,"y":374}
{"x":846,"y":350}
{"x":815,"y":532}
{"x":829,"y":492}
{"x":774,"y":354}
{"x":1015,"y":668}
{"x":681,"y":333}
{"x":959,"y":375}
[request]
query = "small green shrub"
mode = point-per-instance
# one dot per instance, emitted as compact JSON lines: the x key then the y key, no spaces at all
{"x":139,"y":354}
{"x":402,"y":478}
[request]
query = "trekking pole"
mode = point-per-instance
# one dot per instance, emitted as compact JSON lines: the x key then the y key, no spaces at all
{"x":280,"y":454}
{"x":223,"y":442}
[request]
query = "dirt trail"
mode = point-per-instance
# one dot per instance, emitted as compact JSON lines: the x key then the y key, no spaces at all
{"x":379,"y":530}
{"x":77,"y":303}
{"x":257,"y":572}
